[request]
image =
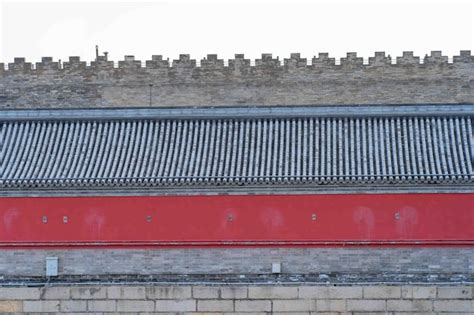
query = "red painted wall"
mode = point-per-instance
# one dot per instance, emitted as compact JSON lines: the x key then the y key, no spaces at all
{"x":243,"y":220}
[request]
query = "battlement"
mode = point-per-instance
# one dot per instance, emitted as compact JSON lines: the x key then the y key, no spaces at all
{"x":212,"y":62}
{"x":212,"y":81}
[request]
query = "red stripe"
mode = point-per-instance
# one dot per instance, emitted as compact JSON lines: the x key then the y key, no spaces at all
{"x":239,"y":220}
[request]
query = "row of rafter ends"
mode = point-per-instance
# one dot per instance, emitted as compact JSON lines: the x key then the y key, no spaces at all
{"x":239,"y":62}
{"x":242,"y":181}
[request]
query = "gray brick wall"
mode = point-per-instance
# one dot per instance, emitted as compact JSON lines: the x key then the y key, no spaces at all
{"x":254,"y":299}
{"x":17,"y":262}
{"x":212,"y":84}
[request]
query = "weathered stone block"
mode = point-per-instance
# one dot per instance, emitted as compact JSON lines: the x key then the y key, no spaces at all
{"x":352,"y":292}
{"x":126,"y":292}
{"x":55,"y":293}
{"x":171,"y":292}
{"x":270,"y":292}
{"x":11,"y":306}
{"x":41,"y":306}
{"x":233,"y":292}
{"x":19,"y":293}
{"x":135,"y":306}
{"x":366,"y":305}
{"x":175,"y":305}
{"x":457,"y":292}
{"x":88,"y":293}
{"x":215,"y":305}
{"x":331,"y":305}
{"x":253,"y":306}
{"x":453,"y":306}
{"x":409,"y":306}
{"x":73,"y":306}
{"x":382,"y":292}
{"x":203,"y":292}
{"x":102,"y":305}
{"x":294,"y":305}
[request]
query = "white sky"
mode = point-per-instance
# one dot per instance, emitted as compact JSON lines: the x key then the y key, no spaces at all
{"x":142,"y":28}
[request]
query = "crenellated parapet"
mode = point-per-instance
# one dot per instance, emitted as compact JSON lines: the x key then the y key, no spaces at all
{"x":212,"y":81}
{"x":212,"y":61}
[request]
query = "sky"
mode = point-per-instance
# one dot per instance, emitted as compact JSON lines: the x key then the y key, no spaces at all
{"x":60,"y":29}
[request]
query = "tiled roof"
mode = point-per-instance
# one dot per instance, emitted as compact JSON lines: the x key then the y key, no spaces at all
{"x":225,"y":151}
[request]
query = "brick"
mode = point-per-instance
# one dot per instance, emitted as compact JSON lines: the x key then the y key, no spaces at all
{"x":11,"y":306}
{"x":331,"y":305}
{"x":101,"y":305}
{"x":457,"y":292}
{"x":246,"y":313}
{"x":41,"y":306}
{"x":215,"y":305}
{"x":382,"y":292}
{"x":175,"y":305}
{"x":171,"y":292}
{"x":366,"y":305}
{"x":293,"y":305}
{"x":126,"y":292}
{"x":55,"y":293}
{"x":205,"y":292}
{"x":268,"y":292}
{"x":19,"y":293}
{"x":253,"y":306}
{"x":135,"y":306}
{"x":233,"y":292}
{"x":73,"y":306}
{"x":89,"y":293}
{"x":409,"y":306}
{"x":453,"y":306}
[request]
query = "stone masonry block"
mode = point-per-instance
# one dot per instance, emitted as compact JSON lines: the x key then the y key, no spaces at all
{"x":126,"y":292}
{"x":330,"y":305}
{"x":203,"y":292}
{"x":233,"y":292}
{"x":294,"y":305}
{"x":326,"y":292}
{"x":253,"y":306}
{"x":88,"y":293}
{"x":453,"y":306}
{"x":55,"y":293}
{"x":19,"y":293}
{"x":409,"y":306}
{"x":366,"y":305}
{"x":215,"y":305}
{"x":267,"y":292}
{"x":102,"y":305}
{"x":382,"y":292}
{"x":348,"y":292}
{"x":313,"y":292}
{"x":135,"y":306}
{"x":11,"y":306}
{"x":457,"y":292}
{"x":175,"y":305}
{"x":73,"y":306}
{"x":168,"y":292}
{"x":418,"y":292}
{"x":41,"y":306}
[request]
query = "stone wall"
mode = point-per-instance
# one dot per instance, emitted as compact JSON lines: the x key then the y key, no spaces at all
{"x":239,"y":299}
{"x":269,"y":81}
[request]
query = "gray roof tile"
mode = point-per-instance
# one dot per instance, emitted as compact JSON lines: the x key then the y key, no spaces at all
{"x":324,"y":150}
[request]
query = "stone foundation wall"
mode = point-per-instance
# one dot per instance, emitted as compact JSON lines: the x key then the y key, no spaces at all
{"x":239,"y":299}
